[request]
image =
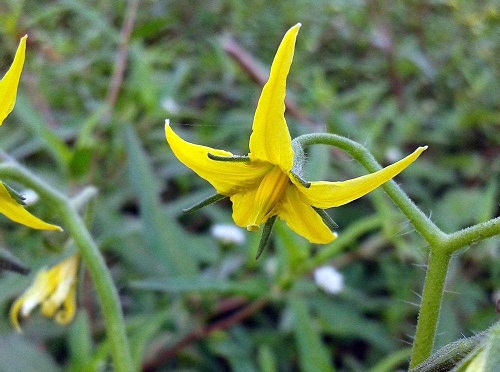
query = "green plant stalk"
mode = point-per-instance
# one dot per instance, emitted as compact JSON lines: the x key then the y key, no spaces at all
{"x":432,"y":296}
{"x":442,"y":245}
{"x":106,"y":291}
{"x":472,"y":235}
{"x":418,"y":219}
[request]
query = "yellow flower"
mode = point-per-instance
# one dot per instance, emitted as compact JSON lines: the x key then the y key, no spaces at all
{"x":263,"y":185}
{"x":8,"y":91}
{"x":54,"y":289}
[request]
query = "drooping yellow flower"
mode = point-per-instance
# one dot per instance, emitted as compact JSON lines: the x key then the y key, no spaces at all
{"x":8,"y":91}
{"x":54,"y":289}
{"x":262,"y":185}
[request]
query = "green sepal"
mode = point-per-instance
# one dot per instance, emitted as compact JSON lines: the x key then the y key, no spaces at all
{"x":300,"y":180}
{"x":327,"y":219}
{"x":450,"y":355}
{"x":235,"y":158}
{"x":266,"y":233}
{"x":15,"y":195}
{"x":204,"y":203}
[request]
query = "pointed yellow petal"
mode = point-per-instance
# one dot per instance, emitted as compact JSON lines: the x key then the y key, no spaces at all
{"x":333,"y":194}
{"x":10,"y":81}
{"x":303,"y":219}
{"x":13,"y":210}
{"x":227,"y":178}
{"x":270,"y":140}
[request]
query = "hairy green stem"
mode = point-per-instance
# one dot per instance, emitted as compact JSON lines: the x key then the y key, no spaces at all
{"x":419,"y":220}
{"x":441,"y":245}
{"x":106,"y":291}
{"x":432,"y":296}
{"x":472,"y":235}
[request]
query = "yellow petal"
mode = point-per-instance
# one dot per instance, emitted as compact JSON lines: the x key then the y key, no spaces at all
{"x":13,"y":210}
{"x":226,"y":177}
{"x":333,"y":194}
{"x":64,"y":276}
{"x":41,"y":287}
{"x":256,"y":206}
{"x":303,"y":219}
{"x":68,"y":310}
{"x":14,"y":313}
{"x":10,"y":81}
{"x":244,"y":207}
{"x":270,"y":140}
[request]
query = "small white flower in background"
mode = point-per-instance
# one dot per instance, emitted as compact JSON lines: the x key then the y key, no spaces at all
{"x":228,"y":234}
{"x":271,"y":266}
{"x":329,"y":279}
{"x":170,"y":105}
{"x":393,"y":154}
{"x":30,"y":197}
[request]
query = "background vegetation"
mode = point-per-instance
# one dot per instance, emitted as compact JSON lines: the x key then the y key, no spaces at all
{"x":391,"y":76}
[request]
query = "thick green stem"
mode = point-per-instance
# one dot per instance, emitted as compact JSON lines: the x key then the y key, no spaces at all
{"x":441,"y":245}
{"x":428,"y":316}
{"x":106,"y":291}
{"x":472,"y":235}
{"x":419,"y":220}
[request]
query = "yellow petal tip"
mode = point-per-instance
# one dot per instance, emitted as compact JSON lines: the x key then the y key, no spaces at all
{"x":252,"y":227}
{"x":420,"y":150}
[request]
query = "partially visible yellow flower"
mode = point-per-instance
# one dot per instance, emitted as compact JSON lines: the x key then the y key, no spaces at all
{"x":8,"y":91}
{"x":478,"y":362}
{"x":10,"y":81}
{"x":262,"y":185}
{"x":54,"y":289}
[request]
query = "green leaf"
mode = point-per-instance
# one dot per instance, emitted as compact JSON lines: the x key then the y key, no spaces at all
{"x":492,"y":349}
{"x":25,"y":111}
{"x":313,"y":356}
{"x":249,"y":287}
{"x":17,"y":354}
{"x":162,"y":236}
{"x":344,"y":320}
{"x":144,"y":329}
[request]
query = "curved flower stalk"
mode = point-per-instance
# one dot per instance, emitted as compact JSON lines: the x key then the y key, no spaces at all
{"x":54,"y":289}
{"x":9,"y":206}
{"x":264,"y":184}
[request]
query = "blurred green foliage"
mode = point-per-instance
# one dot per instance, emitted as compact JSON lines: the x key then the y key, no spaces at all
{"x":390,"y":75}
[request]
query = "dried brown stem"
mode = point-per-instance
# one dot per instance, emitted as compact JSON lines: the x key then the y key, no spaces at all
{"x":248,"y":63}
{"x":164,"y":355}
{"x":121,"y":59}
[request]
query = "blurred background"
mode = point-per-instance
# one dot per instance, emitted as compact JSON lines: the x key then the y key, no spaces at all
{"x":100,"y":79}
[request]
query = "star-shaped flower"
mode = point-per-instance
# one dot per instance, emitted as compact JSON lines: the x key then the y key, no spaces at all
{"x":263,"y":184}
{"x":9,"y":206}
{"x":54,"y":290}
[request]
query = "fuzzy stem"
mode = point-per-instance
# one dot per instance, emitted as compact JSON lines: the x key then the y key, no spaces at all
{"x":472,"y":235}
{"x":106,"y":291}
{"x":441,"y":245}
{"x":418,"y":219}
{"x":428,"y":316}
